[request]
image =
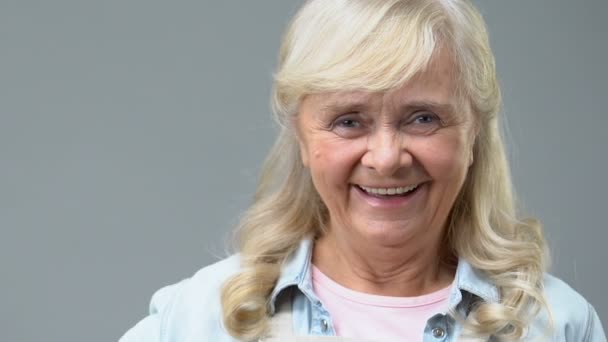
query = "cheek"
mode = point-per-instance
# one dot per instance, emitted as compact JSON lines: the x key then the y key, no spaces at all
{"x":444,"y":158}
{"x":332,"y":165}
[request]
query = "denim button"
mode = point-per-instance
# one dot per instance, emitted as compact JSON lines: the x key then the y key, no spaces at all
{"x":324,"y":325}
{"x":438,"y":333}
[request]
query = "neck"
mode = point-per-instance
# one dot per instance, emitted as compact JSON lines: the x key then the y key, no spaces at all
{"x":412,"y":269}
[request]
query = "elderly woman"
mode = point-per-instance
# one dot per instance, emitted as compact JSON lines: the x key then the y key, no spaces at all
{"x":385,"y":209}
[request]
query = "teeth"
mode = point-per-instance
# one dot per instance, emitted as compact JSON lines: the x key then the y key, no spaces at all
{"x":389,"y":191}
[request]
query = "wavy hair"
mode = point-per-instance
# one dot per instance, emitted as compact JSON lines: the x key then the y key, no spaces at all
{"x":377,"y":45}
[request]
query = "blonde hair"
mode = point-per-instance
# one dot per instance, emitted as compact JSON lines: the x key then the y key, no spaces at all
{"x":377,"y":45}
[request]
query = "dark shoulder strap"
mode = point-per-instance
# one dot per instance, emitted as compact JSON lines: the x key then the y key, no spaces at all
{"x":281,"y":325}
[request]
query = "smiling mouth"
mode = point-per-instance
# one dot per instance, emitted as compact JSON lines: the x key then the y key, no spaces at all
{"x":387,"y":192}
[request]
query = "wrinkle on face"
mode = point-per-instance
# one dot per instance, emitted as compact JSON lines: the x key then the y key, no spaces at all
{"x":381,"y":143}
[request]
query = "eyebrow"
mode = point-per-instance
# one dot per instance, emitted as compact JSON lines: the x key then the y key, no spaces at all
{"x":331,"y":108}
{"x":341,"y":104}
{"x":441,"y":107}
{"x":350,"y":102}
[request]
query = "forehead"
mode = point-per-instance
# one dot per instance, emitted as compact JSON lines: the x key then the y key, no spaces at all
{"x":436,"y":86}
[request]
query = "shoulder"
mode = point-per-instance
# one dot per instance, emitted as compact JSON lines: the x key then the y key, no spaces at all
{"x":196,"y":310}
{"x":574,"y":318}
{"x":213,"y":276}
{"x":559,"y":295}
{"x":188,"y":309}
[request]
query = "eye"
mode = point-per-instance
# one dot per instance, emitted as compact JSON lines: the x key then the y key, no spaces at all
{"x":426,"y":118}
{"x":349,"y":126}
{"x":347,"y":123}
{"x":423,"y":123}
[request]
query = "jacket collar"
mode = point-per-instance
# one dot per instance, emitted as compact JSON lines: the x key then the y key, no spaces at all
{"x":296,"y":271}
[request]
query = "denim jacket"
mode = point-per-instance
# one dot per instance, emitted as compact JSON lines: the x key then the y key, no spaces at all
{"x":191,"y":311}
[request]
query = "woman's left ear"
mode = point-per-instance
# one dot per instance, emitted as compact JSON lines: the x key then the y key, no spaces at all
{"x":303,"y":153}
{"x":299,"y":140}
{"x":472,"y":148}
{"x":476,"y":129}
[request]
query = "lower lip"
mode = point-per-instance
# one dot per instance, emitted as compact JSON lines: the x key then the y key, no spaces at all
{"x":389,"y":201}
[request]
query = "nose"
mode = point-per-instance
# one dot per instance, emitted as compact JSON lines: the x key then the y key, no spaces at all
{"x":386,"y":152}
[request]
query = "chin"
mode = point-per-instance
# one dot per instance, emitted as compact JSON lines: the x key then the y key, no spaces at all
{"x":388,"y":234}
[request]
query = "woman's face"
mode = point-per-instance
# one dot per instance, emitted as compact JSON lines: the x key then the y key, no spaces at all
{"x":388,"y":166}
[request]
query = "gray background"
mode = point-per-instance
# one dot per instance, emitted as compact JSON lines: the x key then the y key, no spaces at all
{"x":131,"y":133}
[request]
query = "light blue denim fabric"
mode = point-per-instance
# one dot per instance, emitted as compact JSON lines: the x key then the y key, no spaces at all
{"x":190,"y":311}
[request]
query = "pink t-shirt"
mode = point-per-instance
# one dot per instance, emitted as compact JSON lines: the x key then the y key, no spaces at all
{"x":357,"y":314}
